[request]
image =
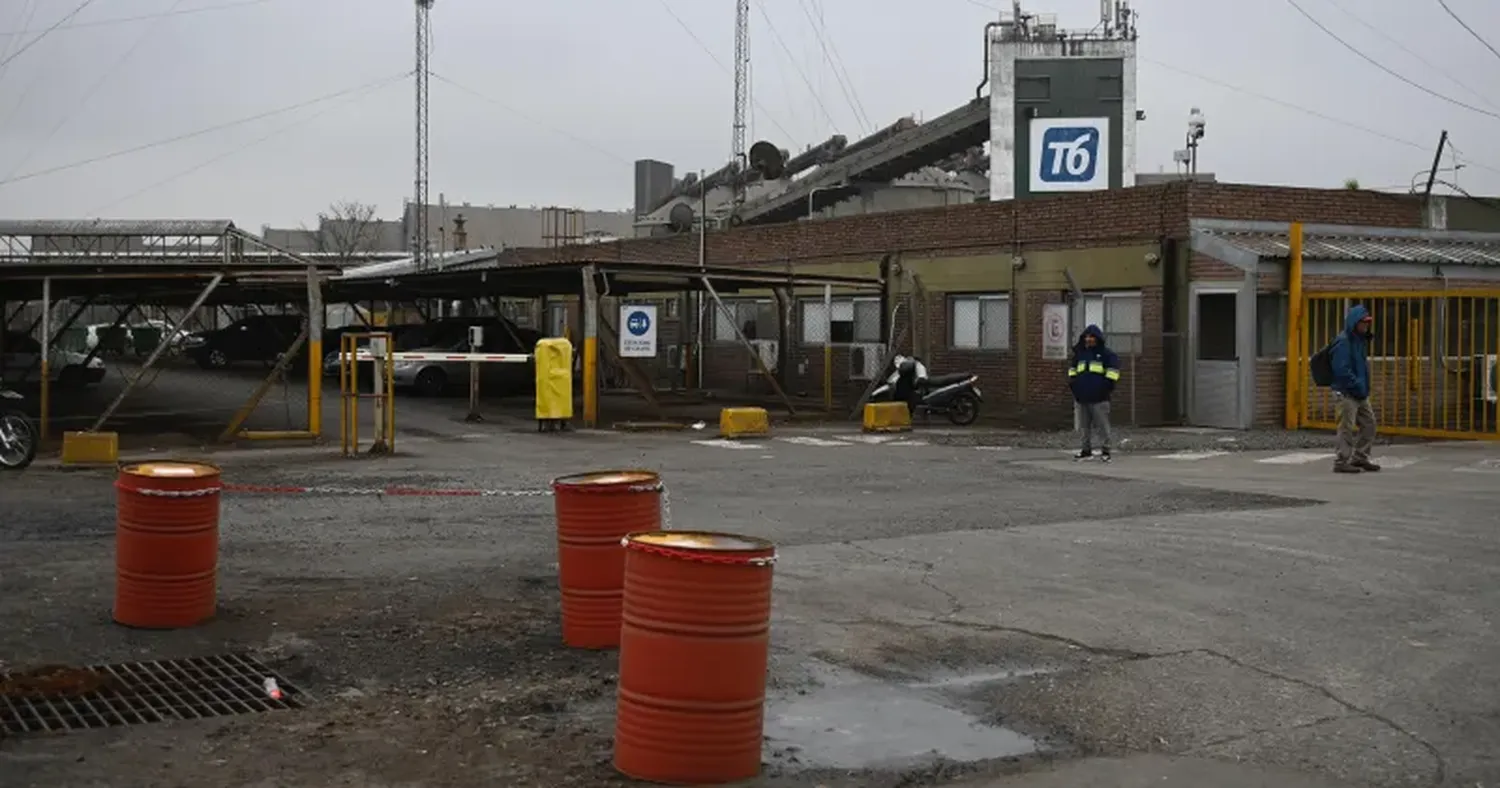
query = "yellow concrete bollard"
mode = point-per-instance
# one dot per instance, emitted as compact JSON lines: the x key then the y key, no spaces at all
{"x":744,"y":423}
{"x":887,"y":417}
{"x":90,"y":448}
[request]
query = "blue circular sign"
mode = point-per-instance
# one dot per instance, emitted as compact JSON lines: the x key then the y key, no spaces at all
{"x":638,"y":323}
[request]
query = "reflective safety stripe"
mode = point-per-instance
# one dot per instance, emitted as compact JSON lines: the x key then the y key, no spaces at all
{"x":1113,"y":374}
{"x":1094,"y":366}
{"x":1072,"y":373}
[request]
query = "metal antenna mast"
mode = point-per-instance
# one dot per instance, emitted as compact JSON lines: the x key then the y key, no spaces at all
{"x":421,"y":248}
{"x":741,"y":93}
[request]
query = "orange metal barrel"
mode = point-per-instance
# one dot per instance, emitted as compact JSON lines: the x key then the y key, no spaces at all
{"x":594,"y":512}
{"x":167,"y":544}
{"x":694,"y":642}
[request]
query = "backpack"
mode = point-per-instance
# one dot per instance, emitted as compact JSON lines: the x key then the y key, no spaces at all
{"x":1321,"y":366}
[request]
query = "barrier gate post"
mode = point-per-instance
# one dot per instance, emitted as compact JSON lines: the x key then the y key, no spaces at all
{"x":382,"y":391}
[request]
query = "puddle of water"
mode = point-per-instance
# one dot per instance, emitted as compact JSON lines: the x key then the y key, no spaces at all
{"x":852,"y":722}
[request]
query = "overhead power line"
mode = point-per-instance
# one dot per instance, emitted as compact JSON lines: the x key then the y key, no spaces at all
{"x":120,"y":20}
{"x":352,"y":98}
{"x":39,"y":36}
{"x":203,"y":131}
{"x":1413,"y":53}
{"x":1304,"y":110}
{"x":802,"y":73}
{"x":27,"y":12}
{"x":526,"y":117}
{"x":1372,"y":61}
{"x":1465,"y":26}
{"x":722,"y":67}
{"x":830,"y":56}
{"x":89,"y":94}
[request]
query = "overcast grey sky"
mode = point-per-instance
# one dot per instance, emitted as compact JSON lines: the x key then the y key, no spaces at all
{"x":559,"y":97}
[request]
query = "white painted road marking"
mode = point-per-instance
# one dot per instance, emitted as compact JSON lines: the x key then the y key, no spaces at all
{"x":1296,"y":458}
{"x":806,"y":440}
{"x":1397,"y":462}
{"x":871,"y":439}
{"x":1483,"y":466}
{"x":1188,"y":456}
{"x":725,"y":443}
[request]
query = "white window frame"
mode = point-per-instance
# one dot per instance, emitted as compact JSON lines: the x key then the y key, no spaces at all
{"x":715,"y":315}
{"x":820,"y":323}
{"x":1101,"y":298}
{"x":980,"y":300}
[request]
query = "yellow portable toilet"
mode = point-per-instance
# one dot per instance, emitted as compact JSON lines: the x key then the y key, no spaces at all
{"x":554,"y":384}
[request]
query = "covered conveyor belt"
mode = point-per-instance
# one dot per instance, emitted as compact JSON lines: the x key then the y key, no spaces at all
{"x":884,"y":161}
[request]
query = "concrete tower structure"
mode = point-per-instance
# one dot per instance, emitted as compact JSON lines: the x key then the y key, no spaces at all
{"x":1063,"y":107}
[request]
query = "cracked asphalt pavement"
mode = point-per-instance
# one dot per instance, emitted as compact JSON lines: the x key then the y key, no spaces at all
{"x":1133,"y":622}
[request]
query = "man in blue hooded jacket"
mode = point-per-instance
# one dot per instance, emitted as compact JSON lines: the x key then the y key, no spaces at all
{"x":1092,"y":375}
{"x":1349,"y":357}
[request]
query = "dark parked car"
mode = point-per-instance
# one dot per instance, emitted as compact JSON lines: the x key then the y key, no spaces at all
{"x":258,"y":338}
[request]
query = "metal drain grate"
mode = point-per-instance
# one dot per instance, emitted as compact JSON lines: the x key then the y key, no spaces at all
{"x":58,"y":699}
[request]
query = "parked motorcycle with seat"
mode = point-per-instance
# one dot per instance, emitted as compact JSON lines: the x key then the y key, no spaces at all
{"x":18,"y":434}
{"x":955,"y":396}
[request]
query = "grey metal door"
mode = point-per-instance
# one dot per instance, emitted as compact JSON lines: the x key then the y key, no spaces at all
{"x":1216,"y":361}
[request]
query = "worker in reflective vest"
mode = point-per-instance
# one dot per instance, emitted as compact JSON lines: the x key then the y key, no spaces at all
{"x":1092,"y":375}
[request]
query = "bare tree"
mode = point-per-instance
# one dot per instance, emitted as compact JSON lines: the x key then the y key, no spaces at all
{"x":347,"y":229}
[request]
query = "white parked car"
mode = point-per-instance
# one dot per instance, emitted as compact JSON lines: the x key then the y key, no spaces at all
{"x":18,"y":360}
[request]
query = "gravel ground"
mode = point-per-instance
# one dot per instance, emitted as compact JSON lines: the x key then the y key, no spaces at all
{"x":426,"y":629}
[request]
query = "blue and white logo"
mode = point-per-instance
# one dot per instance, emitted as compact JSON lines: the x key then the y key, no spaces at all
{"x":637,"y":331}
{"x":638,"y":323}
{"x":1069,"y":154}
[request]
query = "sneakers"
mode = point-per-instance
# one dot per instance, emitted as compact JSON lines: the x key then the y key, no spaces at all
{"x":1357,"y":466}
{"x":1084,"y":455}
{"x":1104,"y":457}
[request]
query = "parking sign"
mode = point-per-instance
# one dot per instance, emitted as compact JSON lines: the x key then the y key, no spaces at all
{"x":1069,"y":154}
{"x":637,"y":331}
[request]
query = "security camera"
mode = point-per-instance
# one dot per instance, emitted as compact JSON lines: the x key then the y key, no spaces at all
{"x":1017,"y":262}
{"x":1140,"y":114}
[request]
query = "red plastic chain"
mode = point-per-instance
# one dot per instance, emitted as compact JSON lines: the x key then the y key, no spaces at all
{"x":701,"y":556}
{"x":197,"y":492}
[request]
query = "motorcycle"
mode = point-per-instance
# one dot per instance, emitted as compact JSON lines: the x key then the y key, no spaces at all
{"x":956,"y":396}
{"x":18,"y":436}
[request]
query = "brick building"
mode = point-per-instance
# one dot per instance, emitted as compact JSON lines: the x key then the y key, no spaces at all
{"x":968,"y":288}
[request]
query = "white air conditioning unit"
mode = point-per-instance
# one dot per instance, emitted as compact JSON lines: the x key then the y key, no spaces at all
{"x":1491,"y":384}
{"x":864,"y":360}
{"x":767,"y":350}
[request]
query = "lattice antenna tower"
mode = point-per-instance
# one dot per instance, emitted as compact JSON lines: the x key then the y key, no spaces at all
{"x":741,"y":94}
{"x":421,"y":245}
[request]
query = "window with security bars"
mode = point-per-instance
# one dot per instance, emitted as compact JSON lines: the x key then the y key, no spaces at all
{"x":1118,"y":315}
{"x":755,"y":318}
{"x":852,"y":321}
{"x":979,"y":322}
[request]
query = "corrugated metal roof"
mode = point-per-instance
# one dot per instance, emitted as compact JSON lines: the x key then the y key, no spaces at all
{"x":1368,"y":248}
{"x":75,"y":227}
{"x":447,"y":261}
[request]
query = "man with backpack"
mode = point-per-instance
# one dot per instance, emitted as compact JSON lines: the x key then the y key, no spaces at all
{"x":1092,"y":375}
{"x":1345,"y":367}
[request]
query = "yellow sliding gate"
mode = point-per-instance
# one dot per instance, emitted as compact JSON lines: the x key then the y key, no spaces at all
{"x":1433,"y":370}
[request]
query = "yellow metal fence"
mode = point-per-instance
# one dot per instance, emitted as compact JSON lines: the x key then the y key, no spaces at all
{"x":1432,"y":358}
